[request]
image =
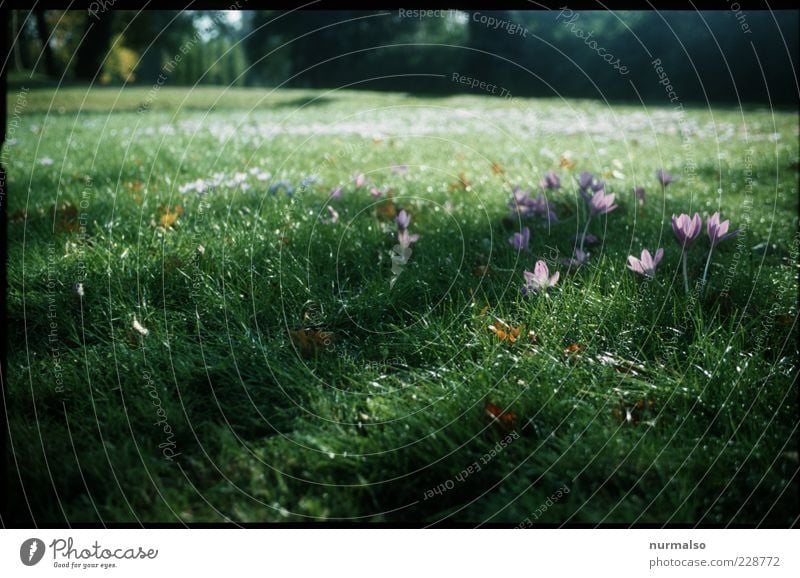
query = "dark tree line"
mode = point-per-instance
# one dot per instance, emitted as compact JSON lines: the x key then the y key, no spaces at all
{"x":718,"y":55}
{"x":709,"y":55}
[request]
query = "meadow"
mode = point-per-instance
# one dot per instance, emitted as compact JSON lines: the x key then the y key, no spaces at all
{"x":211,"y":317}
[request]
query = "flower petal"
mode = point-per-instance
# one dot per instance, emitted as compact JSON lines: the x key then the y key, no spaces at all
{"x":635,"y":265}
{"x":541,"y":271}
{"x":647,"y":260}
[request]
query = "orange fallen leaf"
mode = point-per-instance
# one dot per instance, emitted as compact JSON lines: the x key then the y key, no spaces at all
{"x":310,"y":341}
{"x":18,"y":215}
{"x":566,"y":163}
{"x":169,"y":216}
{"x":505,"y":332}
{"x":132,"y":338}
{"x":633,"y":414}
{"x":573,"y":348}
{"x":66,"y":217}
{"x":462,"y":183}
{"x":386,"y":210}
{"x":503,"y":418}
{"x":497,"y":168}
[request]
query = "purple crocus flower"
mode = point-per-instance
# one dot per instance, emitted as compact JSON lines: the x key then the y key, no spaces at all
{"x":403,"y":220}
{"x":577,"y":260}
{"x":519,"y":198}
{"x":585,"y":180}
{"x":646,"y":265}
{"x":587,"y":196}
{"x":376,"y":192}
{"x":550,"y":181}
{"x":520,"y":240}
{"x":718,"y":232}
{"x":336,"y":193}
{"x":524,"y":205}
{"x":540,"y":279}
{"x":587,"y":239}
{"x":400,"y":169}
{"x":538,"y":205}
{"x":664,"y":177}
{"x":638,"y":193}
{"x":686,"y":228}
{"x":602,"y":203}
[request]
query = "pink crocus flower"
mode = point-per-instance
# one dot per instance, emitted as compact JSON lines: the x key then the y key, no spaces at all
{"x":405,"y":239}
{"x":540,"y":279}
{"x":718,"y":232}
{"x":602,"y":203}
{"x":359,"y":179}
{"x":647,"y":264}
{"x":686,"y":228}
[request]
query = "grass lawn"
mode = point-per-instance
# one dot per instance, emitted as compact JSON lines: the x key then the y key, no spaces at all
{"x":235,"y":352}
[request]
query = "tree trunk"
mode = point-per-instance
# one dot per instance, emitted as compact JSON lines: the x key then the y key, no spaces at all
{"x":94,"y":48}
{"x":16,"y":39}
{"x":44,"y":35}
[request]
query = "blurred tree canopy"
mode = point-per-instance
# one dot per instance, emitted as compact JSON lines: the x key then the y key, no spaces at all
{"x":708,"y":55}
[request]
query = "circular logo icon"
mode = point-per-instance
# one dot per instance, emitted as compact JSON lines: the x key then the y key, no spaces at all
{"x":31,"y":551}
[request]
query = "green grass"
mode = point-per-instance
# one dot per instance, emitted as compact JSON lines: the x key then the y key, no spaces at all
{"x":365,"y":427}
